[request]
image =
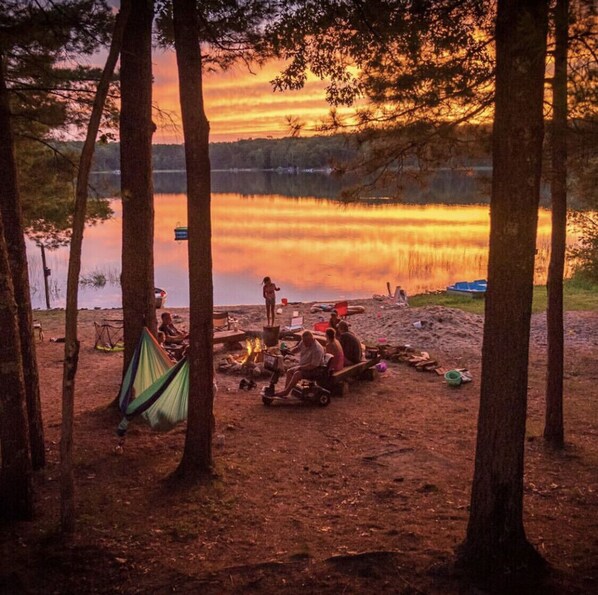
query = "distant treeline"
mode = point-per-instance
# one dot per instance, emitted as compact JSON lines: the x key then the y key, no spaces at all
{"x":317,"y":152}
{"x":303,"y":153}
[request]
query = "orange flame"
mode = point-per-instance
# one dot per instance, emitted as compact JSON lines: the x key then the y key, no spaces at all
{"x":253,"y":347}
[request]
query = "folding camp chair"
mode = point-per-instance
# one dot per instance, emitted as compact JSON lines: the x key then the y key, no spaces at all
{"x":342,"y":309}
{"x":109,"y":335}
{"x":37,"y":328}
{"x":296,"y":324}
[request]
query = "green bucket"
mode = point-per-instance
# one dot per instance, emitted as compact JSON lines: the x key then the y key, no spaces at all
{"x":453,"y":378}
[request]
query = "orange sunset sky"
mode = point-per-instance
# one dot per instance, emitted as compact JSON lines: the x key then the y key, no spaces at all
{"x":239,"y":104}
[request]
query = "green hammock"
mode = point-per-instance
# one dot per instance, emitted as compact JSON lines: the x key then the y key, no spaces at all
{"x":154,"y":387}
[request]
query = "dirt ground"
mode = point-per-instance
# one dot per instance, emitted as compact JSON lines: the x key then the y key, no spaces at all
{"x":368,"y":494}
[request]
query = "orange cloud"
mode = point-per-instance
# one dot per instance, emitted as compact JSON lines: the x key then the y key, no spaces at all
{"x":238,"y":103}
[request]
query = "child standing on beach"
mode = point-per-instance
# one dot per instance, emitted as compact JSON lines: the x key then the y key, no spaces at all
{"x":269,"y":292}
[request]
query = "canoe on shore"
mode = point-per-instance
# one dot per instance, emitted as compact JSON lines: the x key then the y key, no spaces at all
{"x":475,"y":288}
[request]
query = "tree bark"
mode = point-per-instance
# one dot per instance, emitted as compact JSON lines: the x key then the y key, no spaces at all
{"x":10,"y":207}
{"x":554,"y":432}
{"x":496,"y":537}
{"x":136,"y":130}
{"x":197,"y":455}
{"x":71,"y":348}
{"x":16,"y":492}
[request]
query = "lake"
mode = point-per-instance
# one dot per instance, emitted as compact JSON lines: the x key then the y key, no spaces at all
{"x":289,"y":228}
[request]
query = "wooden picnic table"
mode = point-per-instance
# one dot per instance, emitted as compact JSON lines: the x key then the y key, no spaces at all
{"x":227,"y":336}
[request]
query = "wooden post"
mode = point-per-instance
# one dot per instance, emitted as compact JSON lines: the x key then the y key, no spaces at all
{"x":47,"y":273}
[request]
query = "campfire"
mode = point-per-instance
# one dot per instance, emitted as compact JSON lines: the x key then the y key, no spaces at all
{"x":253,"y":351}
{"x":250,"y":362}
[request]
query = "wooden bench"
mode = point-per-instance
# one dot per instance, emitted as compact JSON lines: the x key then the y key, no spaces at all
{"x":231,"y":336}
{"x":339,"y":381}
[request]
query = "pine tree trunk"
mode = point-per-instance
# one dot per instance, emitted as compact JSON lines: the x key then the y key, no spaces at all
{"x":71,"y":348}
{"x":197,"y":455}
{"x":496,"y":538}
{"x":10,"y":207}
{"x":136,"y":130}
{"x":553,"y":428}
{"x":16,"y":492}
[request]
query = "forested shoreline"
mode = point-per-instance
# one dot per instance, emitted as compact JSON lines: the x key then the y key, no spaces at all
{"x":289,"y":154}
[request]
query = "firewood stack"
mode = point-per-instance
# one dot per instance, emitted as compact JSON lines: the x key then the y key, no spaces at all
{"x":420,"y":360}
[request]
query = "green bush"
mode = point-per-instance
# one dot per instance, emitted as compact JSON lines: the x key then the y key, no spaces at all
{"x":585,"y":252}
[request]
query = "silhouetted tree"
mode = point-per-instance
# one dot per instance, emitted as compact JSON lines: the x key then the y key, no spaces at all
{"x":495,"y":534}
{"x":36,"y":40}
{"x":137,"y":194}
{"x":197,"y":456}
{"x":16,"y":492}
{"x":10,"y":208}
{"x":414,"y":65}
{"x":71,"y":347}
{"x":553,"y":428}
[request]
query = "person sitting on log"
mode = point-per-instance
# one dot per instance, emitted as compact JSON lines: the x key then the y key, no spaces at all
{"x":175,"y":351}
{"x":334,"y":348}
{"x":350,"y":343}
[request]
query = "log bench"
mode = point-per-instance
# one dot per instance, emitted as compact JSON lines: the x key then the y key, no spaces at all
{"x":363,"y":370}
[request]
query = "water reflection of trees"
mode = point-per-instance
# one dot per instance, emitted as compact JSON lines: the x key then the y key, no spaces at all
{"x":439,"y":187}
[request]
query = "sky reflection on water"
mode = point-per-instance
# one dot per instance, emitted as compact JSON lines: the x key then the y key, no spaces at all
{"x":314,"y":249}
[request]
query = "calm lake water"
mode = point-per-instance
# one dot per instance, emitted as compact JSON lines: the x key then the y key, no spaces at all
{"x":287,"y":227}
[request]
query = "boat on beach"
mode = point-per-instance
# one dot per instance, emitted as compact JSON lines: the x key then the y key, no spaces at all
{"x":160,"y":295}
{"x":475,"y":288}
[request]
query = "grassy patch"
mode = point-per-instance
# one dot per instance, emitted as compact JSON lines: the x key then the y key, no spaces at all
{"x":577,"y":295}
{"x":467,"y":303}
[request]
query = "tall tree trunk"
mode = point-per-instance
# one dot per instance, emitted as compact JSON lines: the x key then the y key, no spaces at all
{"x":495,"y":534}
{"x":197,"y":456}
{"x":553,"y":428}
{"x":10,"y":207}
{"x":16,"y":492}
{"x":71,"y":347}
{"x":136,"y":129}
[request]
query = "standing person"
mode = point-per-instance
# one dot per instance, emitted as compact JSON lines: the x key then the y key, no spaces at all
{"x":335,"y":349}
{"x":350,"y":343}
{"x":269,"y":293}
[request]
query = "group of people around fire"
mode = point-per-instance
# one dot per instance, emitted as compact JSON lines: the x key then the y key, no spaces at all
{"x":342,"y":345}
